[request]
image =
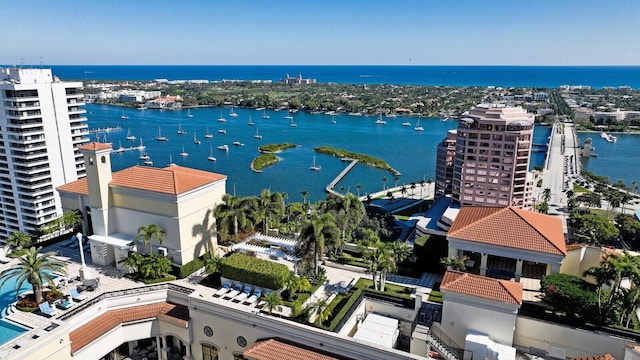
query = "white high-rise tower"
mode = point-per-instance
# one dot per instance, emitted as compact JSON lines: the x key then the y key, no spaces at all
{"x":42,"y":123}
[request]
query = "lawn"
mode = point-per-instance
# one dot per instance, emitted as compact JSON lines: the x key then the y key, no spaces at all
{"x":579,"y":189}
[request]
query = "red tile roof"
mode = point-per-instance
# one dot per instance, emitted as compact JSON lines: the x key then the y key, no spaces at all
{"x":483,"y":287}
{"x":170,"y":180}
{"x":99,"y":326}
{"x":276,"y":349}
{"x":510,"y":227}
{"x":94,"y":146}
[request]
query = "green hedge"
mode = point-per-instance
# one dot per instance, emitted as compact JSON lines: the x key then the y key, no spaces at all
{"x":189,"y":268}
{"x":258,"y":272}
{"x":155,"y":281}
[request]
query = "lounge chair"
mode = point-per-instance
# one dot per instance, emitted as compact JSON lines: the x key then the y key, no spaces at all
{"x":70,"y":241}
{"x":254,"y":298}
{"x":245,"y":294}
{"x":236,"y":290}
{"x":75,"y":295}
{"x":47,"y":309}
{"x":63,"y":304}
{"x":225,"y":287}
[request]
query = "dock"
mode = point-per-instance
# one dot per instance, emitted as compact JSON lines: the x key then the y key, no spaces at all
{"x":336,"y":180}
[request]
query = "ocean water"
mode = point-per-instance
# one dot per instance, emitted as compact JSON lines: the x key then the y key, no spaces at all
{"x":618,"y":161}
{"x":410,"y":152}
{"x":520,"y":76}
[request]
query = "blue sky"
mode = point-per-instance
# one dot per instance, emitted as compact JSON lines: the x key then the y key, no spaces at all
{"x":327,"y":32}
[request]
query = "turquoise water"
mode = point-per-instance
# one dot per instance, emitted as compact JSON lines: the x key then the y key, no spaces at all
{"x":9,"y":331}
{"x":8,"y":293}
{"x":410,"y":152}
{"x":616,"y":160}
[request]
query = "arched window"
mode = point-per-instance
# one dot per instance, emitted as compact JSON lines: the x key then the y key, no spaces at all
{"x":103,"y":159}
{"x":209,"y":352}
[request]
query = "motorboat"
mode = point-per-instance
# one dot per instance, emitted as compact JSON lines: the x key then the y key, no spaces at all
{"x":224,"y":147}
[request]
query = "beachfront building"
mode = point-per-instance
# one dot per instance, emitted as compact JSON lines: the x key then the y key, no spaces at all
{"x":114,"y":205}
{"x":299,"y":80}
{"x":42,"y":123}
{"x":530,"y":244}
{"x":491,"y":166}
{"x":445,"y":156}
{"x":172,"y":102}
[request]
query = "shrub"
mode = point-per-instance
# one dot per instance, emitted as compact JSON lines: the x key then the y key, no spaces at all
{"x":569,"y":294}
{"x":189,"y":268}
{"x":258,"y":272}
{"x":155,"y":281}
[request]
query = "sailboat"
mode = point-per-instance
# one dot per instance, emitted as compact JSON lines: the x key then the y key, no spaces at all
{"x":180,"y":131}
{"x":232,"y":113}
{"x":315,"y":166}
{"x":208,"y":135}
{"x":380,"y":121}
{"x":333,"y":120}
{"x":264,"y":114}
{"x":292,"y":123}
{"x":211,"y":157}
{"x":406,"y":123}
{"x":129,"y":136}
{"x":221,"y":118}
{"x":120,"y":149}
{"x":143,"y":156}
{"x":418,"y":127}
{"x":250,"y":123}
{"x":184,"y":153}
{"x":257,"y":135}
{"x":288,"y":117}
{"x":171,"y":163}
{"x":160,"y":137}
{"x":141,"y":147}
{"x":123,"y":116}
{"x":195,"y":139}
{"x":189,"y":113}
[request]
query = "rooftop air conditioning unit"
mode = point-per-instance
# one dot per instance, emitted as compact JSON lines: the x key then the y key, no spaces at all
{"x":162,"y":251}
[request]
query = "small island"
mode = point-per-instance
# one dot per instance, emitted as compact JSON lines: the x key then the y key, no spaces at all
{"x":263,"y":161}
{"x":275,"y":148}
{"x":365,"y":159}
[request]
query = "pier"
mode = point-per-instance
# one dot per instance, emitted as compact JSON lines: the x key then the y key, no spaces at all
{"x":340,"y":176}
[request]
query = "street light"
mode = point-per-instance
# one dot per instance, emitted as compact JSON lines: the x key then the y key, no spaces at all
{"x":85,"y":273}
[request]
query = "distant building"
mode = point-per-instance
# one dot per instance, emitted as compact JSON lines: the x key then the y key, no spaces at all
{"x":445,"y":156}
{"x":540,"y":96}
{"x":165,"y":103}
{"x":491,"y":165}
{"x":42,"y":123}
{"x":298,"y":80}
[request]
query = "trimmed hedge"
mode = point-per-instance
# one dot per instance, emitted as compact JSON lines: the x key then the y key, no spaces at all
{"x":155,"y":281}
{"x":258,"y":272}
{"x":189,"y":268}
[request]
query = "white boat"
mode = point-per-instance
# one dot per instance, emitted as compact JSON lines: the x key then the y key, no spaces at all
{"x":141,"y":146}
{"x":257,"y":135}
{"x":224,"y":147}
{"x":120,"y":149}
{"x":333,"y":119}
{"x":148,"y":162}
{"x":180,"y":131}
{"x":129,"y":136}
{"x":288,"y":117}
{"x":171,"y":163}
{"x":380,"y":121}
{"x":250,"y":123}
{"x":222,"y":131}
{"x":418,"y":126}
{"x":391,"y":116}
{"x":232,"y":113}
{"x":211,"y":157}
{"x":208,"y":135}
{"x":196,"y":140}
{"x":238,"y":143}
{"x":264,"y":114}
{"x":160,"y":137}
{"x":406,"y":123}
{"x":184,"y":153}
{"x":189,"y":113}
{"x":315,"y":167}
{"x":123,"y":116}
{"x":292,"y":123}
{"x":144,"y":156}
{"x":608,"y":137}
{"x":221,"y":118}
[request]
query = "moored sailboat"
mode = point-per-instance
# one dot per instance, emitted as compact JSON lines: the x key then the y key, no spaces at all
{"x":315,"y":167}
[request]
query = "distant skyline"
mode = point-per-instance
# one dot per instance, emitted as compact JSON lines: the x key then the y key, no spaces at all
{"x":329,"y":32}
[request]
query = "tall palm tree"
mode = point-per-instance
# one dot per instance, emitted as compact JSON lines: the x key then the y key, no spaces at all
{"x":603,"y":276}
{"x":270,"y":205}
{"x":413,"y":188}
{"x":396,"y":178}
{"x":294,"y":283}
{"x":358,"y":187}
{"x":19,"y":239}
{"x":384,"y":183}
{"x":321,"y":310}
{"x":421,"y":187}
{"x":236,"y":212}
{"x":546,"y":194}
{"x":314,"y":235}
{"x":36,"y":269}
{"x":71,"y":218}
{"x":148,"y":233}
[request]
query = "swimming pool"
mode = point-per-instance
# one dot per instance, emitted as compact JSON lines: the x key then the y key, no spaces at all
{"x":9,"y":331}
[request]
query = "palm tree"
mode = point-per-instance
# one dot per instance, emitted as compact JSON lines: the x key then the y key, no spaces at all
{"x":133,"y":261}
{"x":155,"y":266}
{"x":19,"y":239}
{"x":36,"y":269}
{"x":321,"y":310}
{"x":212,"y":263}
{"x":403,"y":190}
{"x":235,"y":213}
{"x":613,"y":197}
{"x":358,"y":187}
{"x":396,"y":178}
{"x":71,"y":218}
{"x":148,"y":233}
{"x":421,"y":187}
{"x":271,"y":301}
{"x":294,"y":283}
{"x":269,"y":204}
{"x":413,"y":188}
{"x":390,"y":196}
{"x":625,"y":198}
{"x":429,"y":181}
{"x":313,"y":236}
{"x":603,"y":276}
{"x":455,"y":263}
{"x":546,"y":194}
{"x":384,"y":183}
